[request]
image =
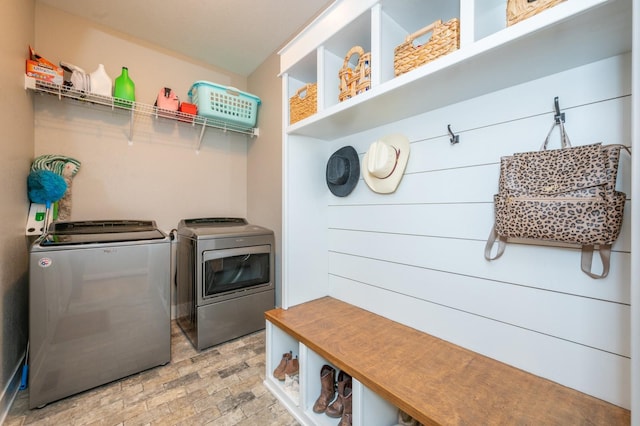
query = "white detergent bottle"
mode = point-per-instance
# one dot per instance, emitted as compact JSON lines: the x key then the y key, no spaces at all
{"x":101,"y":83}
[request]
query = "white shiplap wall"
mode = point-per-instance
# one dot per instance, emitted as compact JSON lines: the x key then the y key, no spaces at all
{"x":416,"y":256}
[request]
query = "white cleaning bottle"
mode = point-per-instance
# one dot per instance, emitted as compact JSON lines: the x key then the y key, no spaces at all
{"x":101,"y":83}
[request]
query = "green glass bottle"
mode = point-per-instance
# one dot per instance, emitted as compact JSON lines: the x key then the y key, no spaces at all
{"x":124,"y":88}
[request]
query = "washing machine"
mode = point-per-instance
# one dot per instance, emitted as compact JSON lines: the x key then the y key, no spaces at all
{"x":99,"y":305}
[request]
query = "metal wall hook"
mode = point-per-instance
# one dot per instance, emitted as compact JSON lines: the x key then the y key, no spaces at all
{"x":454,"y":139}
{"x":559,"y":115}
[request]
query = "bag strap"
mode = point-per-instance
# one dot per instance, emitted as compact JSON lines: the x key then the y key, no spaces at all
{"x":564,"y":138}
{"x":587,"y":258}
{"x":502,"y":243}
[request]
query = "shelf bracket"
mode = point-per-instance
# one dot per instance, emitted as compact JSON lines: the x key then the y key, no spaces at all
{"x":204,"y":127}
{"x":131,"y":126}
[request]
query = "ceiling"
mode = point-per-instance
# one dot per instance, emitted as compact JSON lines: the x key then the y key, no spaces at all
{"x":235,"y":35}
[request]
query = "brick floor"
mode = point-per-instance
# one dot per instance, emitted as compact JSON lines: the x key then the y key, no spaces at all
{"x":217,"y":386}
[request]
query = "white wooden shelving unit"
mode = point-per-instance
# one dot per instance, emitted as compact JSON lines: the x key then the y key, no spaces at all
{"x":491,"y":57}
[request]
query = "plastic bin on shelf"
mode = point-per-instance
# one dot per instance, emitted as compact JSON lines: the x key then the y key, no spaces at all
{"x":226,"y":104}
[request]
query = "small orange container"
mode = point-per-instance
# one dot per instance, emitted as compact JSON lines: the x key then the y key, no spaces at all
{"x":187,"y":108}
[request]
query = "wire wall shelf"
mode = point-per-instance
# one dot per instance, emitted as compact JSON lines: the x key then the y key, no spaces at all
{"x":62,"y":92}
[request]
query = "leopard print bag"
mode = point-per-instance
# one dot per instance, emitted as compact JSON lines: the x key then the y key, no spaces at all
{"x":563,"y":195}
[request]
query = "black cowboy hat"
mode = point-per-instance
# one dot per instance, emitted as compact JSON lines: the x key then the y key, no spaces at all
{"x":343,"y":171}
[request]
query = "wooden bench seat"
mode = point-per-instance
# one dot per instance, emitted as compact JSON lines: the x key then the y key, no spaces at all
{"x":435,"y":381}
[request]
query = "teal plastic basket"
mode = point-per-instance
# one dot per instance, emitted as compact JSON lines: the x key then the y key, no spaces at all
{"x":225,"y":104}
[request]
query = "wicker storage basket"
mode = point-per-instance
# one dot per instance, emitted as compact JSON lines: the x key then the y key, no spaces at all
{"x":354,"y":81}
{"x":445,"y":38}
{"x":518,"y":10}
{"x":304,"y":103}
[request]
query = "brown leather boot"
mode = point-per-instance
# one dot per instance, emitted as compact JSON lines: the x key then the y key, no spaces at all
{"x":404,"y":419}
{"x":345,"y":420}
{"x":278,"y":373}
{"x":335,"y":409}
{"x":327,"y":389}
{"x":292,"y":368}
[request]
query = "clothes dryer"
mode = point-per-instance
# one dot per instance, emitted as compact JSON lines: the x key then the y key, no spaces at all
{"x":225,"y":278}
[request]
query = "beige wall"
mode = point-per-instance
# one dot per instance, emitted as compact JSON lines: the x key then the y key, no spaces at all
{"x":264,"y":168}
{"x":16,"y":148}
{"x":159,"y":175}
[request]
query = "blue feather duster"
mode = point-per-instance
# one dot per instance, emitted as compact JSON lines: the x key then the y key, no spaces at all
{"x":45,"y":187}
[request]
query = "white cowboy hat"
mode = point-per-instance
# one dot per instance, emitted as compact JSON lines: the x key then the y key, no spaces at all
{"x":384,"y":163}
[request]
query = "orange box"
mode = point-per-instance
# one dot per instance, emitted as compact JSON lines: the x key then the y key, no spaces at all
{"x":188,"y":108}
{"x":43,"y":69}
{"x":36,"y":70}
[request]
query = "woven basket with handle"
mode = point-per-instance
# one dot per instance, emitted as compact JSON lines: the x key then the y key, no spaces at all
{"x":518,"y":10}
{"x":304,"y":103}
{"x":445,"y":38}
{"x":356,"y":80}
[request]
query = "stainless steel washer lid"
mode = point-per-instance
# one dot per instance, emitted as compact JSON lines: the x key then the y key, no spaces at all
{"x":216,"y":227}
{"x":101,"y":231}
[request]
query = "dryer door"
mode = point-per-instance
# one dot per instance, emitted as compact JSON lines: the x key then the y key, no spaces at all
{"x":238,"y":269}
